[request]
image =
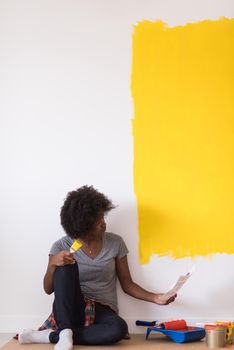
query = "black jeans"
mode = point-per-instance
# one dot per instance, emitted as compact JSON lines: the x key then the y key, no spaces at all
{"x":69,"y":312}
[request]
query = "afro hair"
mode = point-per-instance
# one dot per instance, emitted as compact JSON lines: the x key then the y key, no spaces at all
{"x":82,"y":209}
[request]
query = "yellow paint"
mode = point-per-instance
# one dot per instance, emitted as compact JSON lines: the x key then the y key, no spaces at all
{"x":183,"y":127}
{"x":76,"y":245}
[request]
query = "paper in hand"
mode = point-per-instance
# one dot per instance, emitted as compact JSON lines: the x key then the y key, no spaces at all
{"x":176,"y":287}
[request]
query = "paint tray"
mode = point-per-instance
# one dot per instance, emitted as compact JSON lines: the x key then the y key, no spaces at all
{"x":188,"y":334}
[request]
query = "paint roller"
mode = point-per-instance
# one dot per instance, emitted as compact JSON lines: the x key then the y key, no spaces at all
{"x":169,"y":325}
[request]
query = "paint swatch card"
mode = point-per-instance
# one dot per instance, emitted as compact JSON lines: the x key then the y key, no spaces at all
{"x":176,"y":287}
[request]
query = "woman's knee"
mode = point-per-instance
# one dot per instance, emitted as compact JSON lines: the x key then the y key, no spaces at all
{"x":66,"y":270}
{"x":117,"y":330}
{"x":64,"y":276}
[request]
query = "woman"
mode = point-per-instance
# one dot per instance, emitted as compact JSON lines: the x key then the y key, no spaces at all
{"x":84,"y":283}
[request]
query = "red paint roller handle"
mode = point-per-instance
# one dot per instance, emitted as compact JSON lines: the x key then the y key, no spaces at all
{"x":174,"y":325}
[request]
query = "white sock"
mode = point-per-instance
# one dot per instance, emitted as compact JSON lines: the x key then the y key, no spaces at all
{"x":65,"y":340}
{"x":31,"y":336}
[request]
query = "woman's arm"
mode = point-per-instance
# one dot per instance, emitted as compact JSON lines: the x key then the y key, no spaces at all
{"x":60,"y":259}
{"x":134,"y":289}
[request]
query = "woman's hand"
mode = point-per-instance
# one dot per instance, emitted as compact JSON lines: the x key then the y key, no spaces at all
{"x":62,"y":258}
{"x":158,"y":299}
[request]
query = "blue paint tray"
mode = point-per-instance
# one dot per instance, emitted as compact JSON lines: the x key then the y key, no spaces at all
{"x":186,"y":335}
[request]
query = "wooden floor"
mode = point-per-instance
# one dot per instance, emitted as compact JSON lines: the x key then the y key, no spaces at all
{"x":137,"y":342}
{"x":5,"y":337}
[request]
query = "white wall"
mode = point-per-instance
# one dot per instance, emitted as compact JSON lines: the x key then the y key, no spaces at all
{"x":66,"y":111}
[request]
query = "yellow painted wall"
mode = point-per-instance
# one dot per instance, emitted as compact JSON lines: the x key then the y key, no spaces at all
{"x":183,"y":128}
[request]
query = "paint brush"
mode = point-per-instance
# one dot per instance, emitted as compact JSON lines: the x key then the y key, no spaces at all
{"x":76,"y":245}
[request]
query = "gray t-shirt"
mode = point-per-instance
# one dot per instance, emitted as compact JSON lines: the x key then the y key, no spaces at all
{"x":97,"y":276}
